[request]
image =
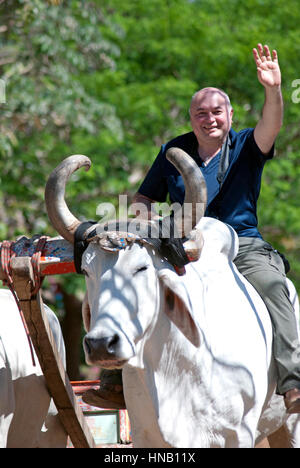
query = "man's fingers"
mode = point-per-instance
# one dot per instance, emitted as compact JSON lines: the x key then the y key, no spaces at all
{"x":263,"y":54}
{"x":256,"y":57}
{"x":275,"y":56}
{"x":260,"y":48}
{"x":267,"y":52}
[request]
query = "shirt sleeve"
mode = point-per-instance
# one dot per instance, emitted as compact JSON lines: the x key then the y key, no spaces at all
{"x":254,"y":147}
{"x":154,"y":185}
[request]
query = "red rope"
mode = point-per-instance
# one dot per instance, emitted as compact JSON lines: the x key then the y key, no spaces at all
{"x":7,"y":254}
{"x":35,"y":261}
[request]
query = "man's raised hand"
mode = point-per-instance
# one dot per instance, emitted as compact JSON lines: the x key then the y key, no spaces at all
{"x":268,"y":71}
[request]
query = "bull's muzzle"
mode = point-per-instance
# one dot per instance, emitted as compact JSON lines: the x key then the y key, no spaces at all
{"x":104,"y":351}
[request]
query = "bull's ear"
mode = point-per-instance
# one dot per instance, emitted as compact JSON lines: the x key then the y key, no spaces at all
{"x":177,"y":306}
{"x":86,"y":313}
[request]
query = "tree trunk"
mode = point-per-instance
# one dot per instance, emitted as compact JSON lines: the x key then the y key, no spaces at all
{"x":72,"y":332}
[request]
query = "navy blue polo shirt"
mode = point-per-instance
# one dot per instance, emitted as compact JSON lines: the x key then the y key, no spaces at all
{"x":236,"y":202}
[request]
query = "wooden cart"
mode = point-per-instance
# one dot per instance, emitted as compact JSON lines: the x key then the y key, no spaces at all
{"x":56,"y":258}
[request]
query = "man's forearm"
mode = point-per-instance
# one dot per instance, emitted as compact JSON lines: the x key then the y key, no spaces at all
{"x":148,"y":202}
{"x":269,"y":75}
{"x":272,"y":115}
{"x":270,"y":123}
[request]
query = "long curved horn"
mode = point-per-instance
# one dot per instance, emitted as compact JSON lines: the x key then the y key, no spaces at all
{"x":195,"y":189}
{"x":59,"y":214}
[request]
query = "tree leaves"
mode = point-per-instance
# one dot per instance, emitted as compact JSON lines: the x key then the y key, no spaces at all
{"x":113,"y":80}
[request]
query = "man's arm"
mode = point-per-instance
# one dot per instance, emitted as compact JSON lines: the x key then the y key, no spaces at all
{"x":148,"y":202}
{"x":154,"y":185}
{"x":269,"y":76}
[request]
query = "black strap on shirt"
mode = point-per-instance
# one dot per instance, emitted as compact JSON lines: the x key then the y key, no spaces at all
{"x":215,"y":206}
{"x":224,"y":161}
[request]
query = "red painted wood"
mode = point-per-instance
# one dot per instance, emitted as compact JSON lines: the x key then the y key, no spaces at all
{"x":57,"y":256}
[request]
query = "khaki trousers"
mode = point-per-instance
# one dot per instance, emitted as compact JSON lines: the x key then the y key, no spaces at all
{"x":263,"y":267}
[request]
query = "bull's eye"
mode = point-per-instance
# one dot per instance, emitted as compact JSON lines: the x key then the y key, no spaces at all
{"x":85,"y":272}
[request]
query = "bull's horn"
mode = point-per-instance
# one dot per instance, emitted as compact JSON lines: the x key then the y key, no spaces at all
{"x":59,"y":214}
{"x":195,"y":189}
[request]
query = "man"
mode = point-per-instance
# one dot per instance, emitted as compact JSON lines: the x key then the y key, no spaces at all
{"x":233,"y":199}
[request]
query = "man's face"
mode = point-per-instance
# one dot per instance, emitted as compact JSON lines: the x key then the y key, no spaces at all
{"x":211,"y":117}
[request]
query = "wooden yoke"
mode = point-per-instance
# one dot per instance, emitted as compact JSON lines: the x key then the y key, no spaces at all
{"x":57,"y":255}
{"x":45,"y":347}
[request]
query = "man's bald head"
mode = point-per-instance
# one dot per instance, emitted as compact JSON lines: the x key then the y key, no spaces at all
{"x":210,"y":91}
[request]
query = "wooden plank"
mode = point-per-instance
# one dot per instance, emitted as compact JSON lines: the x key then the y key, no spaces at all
{"x":57,"y":255}
{"x":56,"y":378}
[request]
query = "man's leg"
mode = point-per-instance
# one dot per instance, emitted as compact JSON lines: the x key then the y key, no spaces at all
{"x":110,"y":393}
{"x":264,"y":269}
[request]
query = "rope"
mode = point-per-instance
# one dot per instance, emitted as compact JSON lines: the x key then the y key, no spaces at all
{"x":36,"y":267}
{"x":7,"y":254}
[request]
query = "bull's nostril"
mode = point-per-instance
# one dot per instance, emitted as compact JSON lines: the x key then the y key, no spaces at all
{"x":102,"y":348}
{"x":111,"y":345}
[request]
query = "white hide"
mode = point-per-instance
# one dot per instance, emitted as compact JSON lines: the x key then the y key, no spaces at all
{"x":274,"y":417}
{"x":274,"y":414}
{"x":295,"y":301}
{"x":197,"y":366}
{"x":28,"y":417}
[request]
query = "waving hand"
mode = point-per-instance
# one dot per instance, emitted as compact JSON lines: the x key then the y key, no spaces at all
{"x":268,"y":70}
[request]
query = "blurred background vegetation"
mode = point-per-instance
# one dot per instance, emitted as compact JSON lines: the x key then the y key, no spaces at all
{"x":113,"y":80}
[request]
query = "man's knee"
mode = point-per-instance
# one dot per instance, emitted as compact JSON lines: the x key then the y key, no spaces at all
{"x":269,"y":284}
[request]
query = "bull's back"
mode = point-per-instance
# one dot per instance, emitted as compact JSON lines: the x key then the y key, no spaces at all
{"x":28,"y":418}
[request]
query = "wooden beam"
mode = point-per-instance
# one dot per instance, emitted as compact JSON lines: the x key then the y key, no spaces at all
{"x":56,"y":378}
{"x":57,"y":255}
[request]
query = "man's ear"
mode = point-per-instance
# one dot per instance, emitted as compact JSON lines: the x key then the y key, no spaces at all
{"x":178,"y":307}
{"x":86,"y":313}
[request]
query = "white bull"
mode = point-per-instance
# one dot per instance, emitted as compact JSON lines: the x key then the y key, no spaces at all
{"x":196,"y":350}
{"x":28,"y":417}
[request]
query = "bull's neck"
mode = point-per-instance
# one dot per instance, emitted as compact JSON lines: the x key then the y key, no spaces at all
{"x":167,"y":347}
{"x":170,"y":380}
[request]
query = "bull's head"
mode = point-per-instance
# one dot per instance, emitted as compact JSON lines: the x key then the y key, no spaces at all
{"x":122,"y":285}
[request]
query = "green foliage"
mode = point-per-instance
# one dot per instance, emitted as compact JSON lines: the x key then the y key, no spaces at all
{"x":48,"y":49}
{"x":113,"y":80}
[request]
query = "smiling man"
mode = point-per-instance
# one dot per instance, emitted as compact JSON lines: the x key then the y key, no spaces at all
{"x":232,"y":164}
